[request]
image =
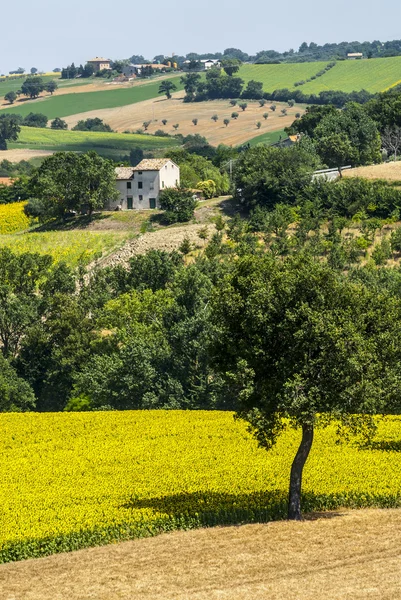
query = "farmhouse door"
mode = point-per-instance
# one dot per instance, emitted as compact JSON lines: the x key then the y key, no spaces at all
{"x":152,"y":202}
{"x":129,"y":202}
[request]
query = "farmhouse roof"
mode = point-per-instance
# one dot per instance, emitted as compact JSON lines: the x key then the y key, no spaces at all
{"x":124,"y":172}
{"x":355,"y":54}
{"x":99,"y":60}
{"x":152,"y":164}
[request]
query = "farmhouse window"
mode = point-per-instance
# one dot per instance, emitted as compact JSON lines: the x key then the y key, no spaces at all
{"x":140,"y":198}
{"x":162,"y":184}
{"x":140,"y":185}
{"x":128,"y":185}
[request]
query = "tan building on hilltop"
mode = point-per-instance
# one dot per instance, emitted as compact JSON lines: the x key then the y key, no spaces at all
{"x":140,"y":186}
{"x":99,"y":64}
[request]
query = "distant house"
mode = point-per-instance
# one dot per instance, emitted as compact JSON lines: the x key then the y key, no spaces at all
{"x":140,"y":186}
{"x":286,"y":142}
{"x":203,"y":65}
{"x":99,"y":64}
{"x":354,"y":55}
{"x":135,"y":70}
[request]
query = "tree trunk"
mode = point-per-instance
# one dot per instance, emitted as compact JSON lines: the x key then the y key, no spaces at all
{"x":294,"y":501}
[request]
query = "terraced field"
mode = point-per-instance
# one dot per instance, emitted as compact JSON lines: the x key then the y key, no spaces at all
{"x":107,"y":144}
{"x":71,"y":104}
{"x":373,"y":75}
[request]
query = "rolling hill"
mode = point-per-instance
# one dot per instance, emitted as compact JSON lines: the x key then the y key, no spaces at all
{"x":71,"y":104}
{"x":108,"y":144}
{"x":375,"y":75}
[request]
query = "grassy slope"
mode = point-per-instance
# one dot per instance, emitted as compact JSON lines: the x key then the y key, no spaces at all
{"x":71,"y":104}
{"x":268,"y":138}
{"x":374,"y":75}
{"x":104,"y":143}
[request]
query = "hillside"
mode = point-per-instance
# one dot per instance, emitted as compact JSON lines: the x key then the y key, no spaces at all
{"x":110,"y":144}
{"x":175,"y":111}
{"x":337,"y":556}
{"x":374,"y":75}
{"x":72,"y":103}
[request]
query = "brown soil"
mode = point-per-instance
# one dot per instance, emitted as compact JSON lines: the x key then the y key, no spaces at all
{"x":17,"y":155}
{"x":390,"y":171}
{"x":353,"y":555}
{"x":132,"y":117}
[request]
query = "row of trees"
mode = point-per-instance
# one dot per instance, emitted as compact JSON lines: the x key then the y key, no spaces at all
{"x":32,"y":87}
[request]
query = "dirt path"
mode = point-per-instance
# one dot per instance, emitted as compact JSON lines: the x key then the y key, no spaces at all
{"x":353,"y":555}
{"x":163,"y":239}
{"x":240,"y":130}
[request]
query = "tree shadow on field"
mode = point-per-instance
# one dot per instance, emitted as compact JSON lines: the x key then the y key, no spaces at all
{"x":73,"y":223}
{"x":383,"y":445}
{"x":219,"y":508}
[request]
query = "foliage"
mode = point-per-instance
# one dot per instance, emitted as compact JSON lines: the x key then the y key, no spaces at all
{"x":291,"y":353}
{"x":9,"y":129}
{"x":35,"y":120}
{"x":10,"y":97}
{"x":33,"y":86}
{"x":208,"y":188}
{"x":16,"y":394}
{"x":166,"y":87}
{"x":179,"y":205}
{"x":58,"y":123}
{"x":94,"y":124}
{"x":194,"y":168}
{"x":67,"y":182}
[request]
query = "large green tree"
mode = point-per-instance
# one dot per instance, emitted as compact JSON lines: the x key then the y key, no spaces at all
{"x":301,"y":344}
{"x":68,"y":181}
{"x":9,"y":129}
{"x":33,"y":86}
{"x":166,"y":87}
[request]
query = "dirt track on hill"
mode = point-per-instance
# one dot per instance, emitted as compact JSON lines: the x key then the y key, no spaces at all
{"x":353,"y":555}
{"x":132,"y":117}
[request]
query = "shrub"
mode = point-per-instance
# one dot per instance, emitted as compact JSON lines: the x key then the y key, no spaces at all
{"x":179,"y":205}
{"x":234,"y":115}
{"x":208,"y":188}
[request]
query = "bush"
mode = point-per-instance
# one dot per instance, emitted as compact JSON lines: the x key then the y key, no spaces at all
{"x":208,"y":188}
{"x":179,"y":205}
{"x":35,"y":120}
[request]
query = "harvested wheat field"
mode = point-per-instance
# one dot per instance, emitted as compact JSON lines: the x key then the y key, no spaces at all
{"x":24,"y":154}
{"x":238,"y":131}
{"x":335,"y":556}
{"x":390,"y":171}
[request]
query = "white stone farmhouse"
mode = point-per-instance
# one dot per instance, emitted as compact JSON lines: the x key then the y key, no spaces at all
{"x":140,"y":186}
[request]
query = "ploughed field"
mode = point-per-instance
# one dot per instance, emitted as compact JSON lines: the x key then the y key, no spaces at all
{"x":71,"y":480}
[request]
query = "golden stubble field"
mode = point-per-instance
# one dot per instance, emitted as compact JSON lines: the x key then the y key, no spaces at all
{"x":334,"y":556}
{"x":390,"y":171}
{"x":132,"y":117}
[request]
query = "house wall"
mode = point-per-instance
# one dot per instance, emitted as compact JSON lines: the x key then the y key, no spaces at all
{"x":144,"y":186}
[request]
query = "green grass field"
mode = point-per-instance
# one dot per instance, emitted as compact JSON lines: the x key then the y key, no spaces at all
{"x":82,"y":141}
{"x":74,"y":103}
{"x":271,"y":137}
{"x":373,"y":75}
{"x":12,"y":85}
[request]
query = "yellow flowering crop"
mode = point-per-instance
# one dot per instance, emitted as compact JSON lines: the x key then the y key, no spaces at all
{"x":13,"y":218}
{"x":70,"y":480}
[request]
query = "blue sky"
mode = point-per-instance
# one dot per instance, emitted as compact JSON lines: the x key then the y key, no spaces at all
{"x":46,"y":34}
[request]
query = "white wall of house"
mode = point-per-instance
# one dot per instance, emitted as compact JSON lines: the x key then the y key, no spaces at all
{"x":142,"y":190}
